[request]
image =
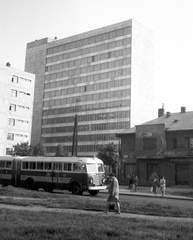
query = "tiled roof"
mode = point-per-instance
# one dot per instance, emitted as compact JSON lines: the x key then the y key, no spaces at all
{"x":172,"y":121}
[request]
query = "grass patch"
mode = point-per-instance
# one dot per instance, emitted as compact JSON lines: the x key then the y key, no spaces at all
{"x":41,"y":225}
{"x":68,"y":201}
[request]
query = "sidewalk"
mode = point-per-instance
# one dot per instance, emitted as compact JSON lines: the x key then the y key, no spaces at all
{"x":145,"y":192}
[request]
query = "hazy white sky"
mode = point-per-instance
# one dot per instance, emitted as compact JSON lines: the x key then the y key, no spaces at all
{"x":23,"y":21}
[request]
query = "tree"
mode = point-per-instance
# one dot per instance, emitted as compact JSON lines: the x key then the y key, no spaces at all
{"x":108,"y":154}
{"x":60,"y":152}
{"x":22,"y":149}
{"x":38,"y":149}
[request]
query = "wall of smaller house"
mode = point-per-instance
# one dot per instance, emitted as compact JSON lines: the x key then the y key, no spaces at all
{"x":181,"y":139}
{"x":127,"y":155}
{"x":165,"y":168}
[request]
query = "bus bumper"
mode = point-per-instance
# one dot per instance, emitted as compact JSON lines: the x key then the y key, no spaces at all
{"x":97,"y":187}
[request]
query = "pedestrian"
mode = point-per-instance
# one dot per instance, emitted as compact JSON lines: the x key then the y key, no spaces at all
{"x":163,"y":185}
{"x":135,"y":183}
{"x":155,"y":185}
{"x":113,"y":190}
{"x":132,"y":182}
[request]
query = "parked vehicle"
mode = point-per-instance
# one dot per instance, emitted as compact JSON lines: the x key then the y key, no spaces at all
{"x":76,"y":174}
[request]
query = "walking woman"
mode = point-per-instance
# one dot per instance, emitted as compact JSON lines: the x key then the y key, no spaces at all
{"x":163,"y":185}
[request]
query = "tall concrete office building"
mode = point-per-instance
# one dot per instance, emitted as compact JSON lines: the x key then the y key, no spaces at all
{"x":104,"y":76}
{"x":16,"y":101}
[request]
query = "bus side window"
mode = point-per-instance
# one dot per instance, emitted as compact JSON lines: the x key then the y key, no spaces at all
{"x":76,"y":167}
{"x":60,"y":167}
{"x":24,"y":165}
{"x":32,"y":165}
{"x":69,"y":167}
{"x":48,"y":166}
{"x":2,"y":164}
{"x":40,"y":165}
{"x":8,"y":165}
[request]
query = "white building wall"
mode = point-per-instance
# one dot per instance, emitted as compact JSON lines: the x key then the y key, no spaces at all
{"x":142,"y":82}
{"x":16,"y":101}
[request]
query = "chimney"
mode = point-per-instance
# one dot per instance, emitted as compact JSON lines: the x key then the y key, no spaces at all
{"x":8,"y":64}
{"x":183,"y":109}
{"x":168,"y":114}
{"x":161,"y":111}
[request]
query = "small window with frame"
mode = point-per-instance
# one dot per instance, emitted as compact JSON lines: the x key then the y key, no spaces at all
{"x":8,"y":165}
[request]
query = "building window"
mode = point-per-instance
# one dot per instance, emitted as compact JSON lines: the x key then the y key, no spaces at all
{"x":13,"y":93}
{"x":92,"y":58}
{"x":174,"y":143}
{"x":10,"y":136}
{"x":12,"y":107}
{"x":9,"y":151}
{"x":11,"y":122}
{"x":149,"y":143}
{"x":14,"y":79}
{"x":189,"y":142}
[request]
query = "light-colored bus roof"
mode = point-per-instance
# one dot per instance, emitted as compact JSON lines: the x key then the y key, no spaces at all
{"x":6,"y":158}
{"x":61,"y":159}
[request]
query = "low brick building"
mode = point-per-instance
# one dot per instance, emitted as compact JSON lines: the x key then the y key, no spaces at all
{"x":163,"y":146}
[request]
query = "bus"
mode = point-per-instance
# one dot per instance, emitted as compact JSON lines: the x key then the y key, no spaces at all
{"x":75,"y":174}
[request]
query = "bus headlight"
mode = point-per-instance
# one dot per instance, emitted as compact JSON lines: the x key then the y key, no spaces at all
{"x":91,"y":181}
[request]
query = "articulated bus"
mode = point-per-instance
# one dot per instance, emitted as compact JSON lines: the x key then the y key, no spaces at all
{"x":75,"y":174}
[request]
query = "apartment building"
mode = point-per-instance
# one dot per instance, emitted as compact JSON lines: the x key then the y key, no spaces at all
{"x":16,"y":101}
{"x":104,"y":76}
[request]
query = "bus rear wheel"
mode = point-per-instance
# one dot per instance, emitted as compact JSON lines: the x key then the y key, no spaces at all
{"x":93,"y":192}
{"x":76,"y":189}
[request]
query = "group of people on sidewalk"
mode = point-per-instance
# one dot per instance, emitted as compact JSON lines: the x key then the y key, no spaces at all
{"x":159,"y":183}
{"x":113,"y":189}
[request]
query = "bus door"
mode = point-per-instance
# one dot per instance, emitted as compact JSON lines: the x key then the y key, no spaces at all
{"x":57,"y":169}
{"x":16,"y":172}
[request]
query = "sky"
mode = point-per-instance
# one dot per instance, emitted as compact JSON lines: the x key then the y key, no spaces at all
{"x":23,"y":21}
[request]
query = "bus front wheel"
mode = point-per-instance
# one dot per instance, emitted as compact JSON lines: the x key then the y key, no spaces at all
{"x":93,"y":192}
{"x":30,"y":184}
{"x":76,"y":189}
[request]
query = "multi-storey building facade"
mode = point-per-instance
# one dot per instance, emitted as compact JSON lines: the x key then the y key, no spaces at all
{"x":163,"y":146}
{"x":16,"y":101}
{"x":104,"y":76}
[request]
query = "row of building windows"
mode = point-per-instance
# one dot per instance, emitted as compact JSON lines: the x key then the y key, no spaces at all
{"x":116,"y":65}
{"x":81,"y":138}
{"x":15,"y":93}
{"x":80,"y":148}
{"x":16,"y":122}
{"x":12,"y":136}
{"x":14,"y":107}
{"x":89,"y":78}
{"x":90,"y":40}
{"x":16,"y":79}
{"x":87,"y":98}
{"x":151,"y":143}
{"x":87,"y":127}
{"x":88,"y":117}
{"x":89,"y":107}
{"x":89,"y":68}
{"x":88,"y":88}
{"x":88,"y":60}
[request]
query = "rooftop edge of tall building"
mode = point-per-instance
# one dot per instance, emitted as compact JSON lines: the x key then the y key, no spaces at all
{"x":94,"y":32}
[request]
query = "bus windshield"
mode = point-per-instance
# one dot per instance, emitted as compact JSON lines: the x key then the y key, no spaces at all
{"x":92,"y":168}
